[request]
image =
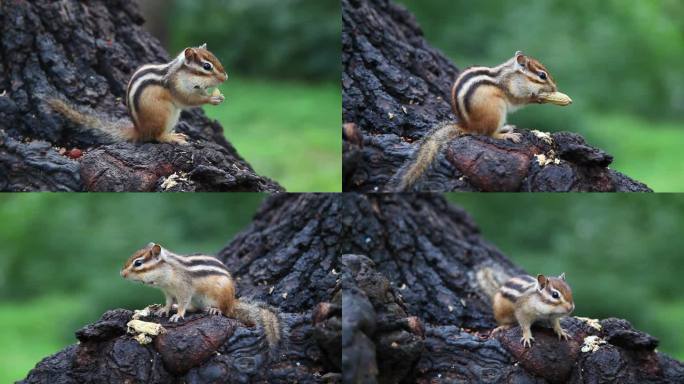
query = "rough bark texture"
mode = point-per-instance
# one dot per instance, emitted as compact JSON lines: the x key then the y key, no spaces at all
{"x":415,"y":308}
{"x":286,"y":258}
{"x":396,"y":88}
{"x":85,"y":52}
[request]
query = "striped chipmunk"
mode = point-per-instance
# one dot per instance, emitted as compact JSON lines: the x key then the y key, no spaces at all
{"x":525,"y":300}
{"x":197,"y":283}
{"x":481,"y":97}
{"x":156,"y":95}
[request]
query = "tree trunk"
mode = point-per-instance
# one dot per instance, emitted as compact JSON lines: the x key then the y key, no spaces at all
{"x":85,"y":53}
{"x":286,"y":258}
{"x":396,"y":88}
{"x":415,"y":278}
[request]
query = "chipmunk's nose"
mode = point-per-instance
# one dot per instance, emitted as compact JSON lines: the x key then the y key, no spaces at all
{"x":123,"y":273}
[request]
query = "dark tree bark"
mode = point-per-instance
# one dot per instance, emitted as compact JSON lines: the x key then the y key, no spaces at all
{"x":415,"y":308}
{"x":396,"y":88}
{"x":286,"y":258}
{"x":84,"y":52}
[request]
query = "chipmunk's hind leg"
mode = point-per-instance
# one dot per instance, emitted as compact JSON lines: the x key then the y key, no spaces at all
{"x":506,"y":133}
{"x":173,"y":138}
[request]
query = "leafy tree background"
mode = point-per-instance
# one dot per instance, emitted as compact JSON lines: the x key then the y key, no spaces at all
{"x":283,"y":98}
{"x":620,"y":60}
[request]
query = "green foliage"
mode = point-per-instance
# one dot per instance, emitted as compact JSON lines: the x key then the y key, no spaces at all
{"x":281,"y":128}
{"x":31,"y":331}
{"x":297,"y":39}
{"x":621,"y":253}
{"x":644,"y":150}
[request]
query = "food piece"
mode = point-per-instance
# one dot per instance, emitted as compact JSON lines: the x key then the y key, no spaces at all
{"x":213,"y":91}
{"x":556,"y":98}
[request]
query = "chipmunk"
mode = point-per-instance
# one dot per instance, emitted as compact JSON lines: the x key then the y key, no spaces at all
{"x":155,"y":96}
{"x":481,"y":97}
{"x":525,"y":300}
{"x":197,"y":282}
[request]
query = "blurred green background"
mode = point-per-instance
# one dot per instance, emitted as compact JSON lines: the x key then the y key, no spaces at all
{"x":620,"y":60}
{"x":61,"y":255}
{"x":283,"y":98}
{"x":622,"y":254}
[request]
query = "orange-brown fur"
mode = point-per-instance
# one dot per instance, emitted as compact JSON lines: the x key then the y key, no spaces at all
{"x":488,"y":111}
{"x":220,"y":288}
{"x":503,"y":310}
{"x":155,"y":110}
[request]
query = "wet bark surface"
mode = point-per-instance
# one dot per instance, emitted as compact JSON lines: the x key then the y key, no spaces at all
{"x":286,"y":258}
{"x":85,"y":53}
{"x":396,"y":89}
{"x":416,"y":275}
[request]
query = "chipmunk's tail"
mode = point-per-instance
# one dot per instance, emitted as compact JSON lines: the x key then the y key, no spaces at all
{"x":253,"y":313}
{"x":121,"y":130}
{"x":490,"y":279}
{"x":431,"y":145}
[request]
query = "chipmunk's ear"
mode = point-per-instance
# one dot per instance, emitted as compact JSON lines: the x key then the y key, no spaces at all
{"x":562,"y":276}
{"x":203,"y":46}
{"x":541,"y":282}
{"x":190,"y":54}
{"x":155,"y":250}
{"x":520,"y":58}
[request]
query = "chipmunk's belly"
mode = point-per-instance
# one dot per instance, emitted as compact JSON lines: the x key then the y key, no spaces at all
{"x":203,"y":302}
{"x":173,"y":119}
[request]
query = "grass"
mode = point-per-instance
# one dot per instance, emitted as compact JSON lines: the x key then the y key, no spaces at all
{"x":289,"y":132}
{"x":644,"y":150}
{"x":31,"y":331}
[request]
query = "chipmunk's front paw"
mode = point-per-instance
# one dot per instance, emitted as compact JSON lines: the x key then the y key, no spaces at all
{"x":213,"y":311}
{"x":163,"y":312}
{"x":175,"y":318}
{"x":174,"y":138}
{"x":562,"y":335}
{"x":527,"y":341}
{"x":512,"y":136}
{"x":216,"y":100}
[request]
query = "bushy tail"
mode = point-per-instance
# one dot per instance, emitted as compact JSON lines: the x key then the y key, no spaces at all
{"x":121,"y":130}
{"x":259,"y":313}
{"x":490,"y":279}
{"x":429,"y":148}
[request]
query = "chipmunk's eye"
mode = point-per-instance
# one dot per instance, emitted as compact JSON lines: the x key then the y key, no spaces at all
{"x":137,"y":263}
{"x":207,"y":66}
{"x":555,"y":295}
{"x":542,"y":75}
